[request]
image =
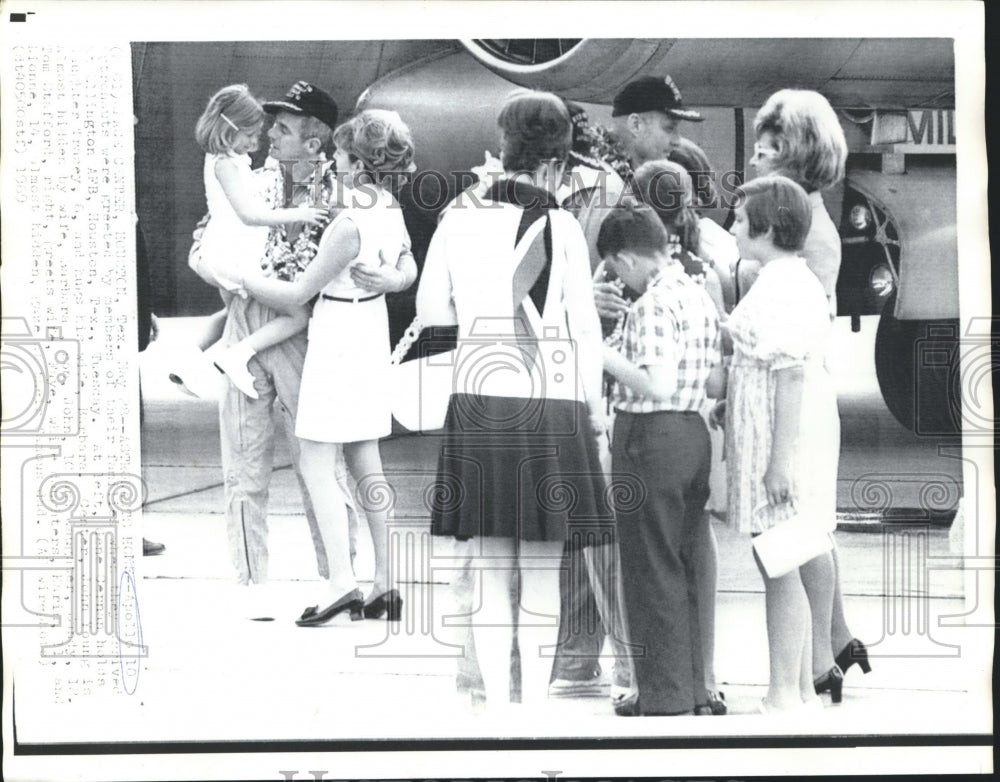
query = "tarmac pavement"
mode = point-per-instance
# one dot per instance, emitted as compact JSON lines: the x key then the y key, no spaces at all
{"x":369,"y":679}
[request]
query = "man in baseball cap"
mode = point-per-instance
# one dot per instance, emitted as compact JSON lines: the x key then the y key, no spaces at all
{"x":646,"y":114}
{"x":304,"y":98}
{"x":304,"y":121}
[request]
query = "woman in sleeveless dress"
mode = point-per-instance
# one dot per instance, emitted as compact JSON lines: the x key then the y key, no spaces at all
{"x":344,"y":395}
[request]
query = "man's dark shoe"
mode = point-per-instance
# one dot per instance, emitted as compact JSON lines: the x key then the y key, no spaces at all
{"x":151,"y":548}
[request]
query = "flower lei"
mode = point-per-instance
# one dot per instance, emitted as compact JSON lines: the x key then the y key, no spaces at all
{"x":594,"y":146}
{"x":693,"y":265}
{"x":604,"y":147}
{"x":602,"y":150}
{"x":282,"y":259}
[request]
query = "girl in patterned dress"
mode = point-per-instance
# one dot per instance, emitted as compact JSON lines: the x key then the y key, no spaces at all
{"x":782,"y":426}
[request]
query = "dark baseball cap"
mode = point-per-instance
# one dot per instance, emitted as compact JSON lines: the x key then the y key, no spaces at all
{"x":304,"y":98}
{"x":652,"y":93}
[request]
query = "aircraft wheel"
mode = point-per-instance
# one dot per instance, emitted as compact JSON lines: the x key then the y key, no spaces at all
{"x":916,"y":362}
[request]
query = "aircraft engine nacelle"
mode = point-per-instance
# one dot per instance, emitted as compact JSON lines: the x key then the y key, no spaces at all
{"x":587,"y":69}
{"x":456,"y":121}
{"x":452,"y":125}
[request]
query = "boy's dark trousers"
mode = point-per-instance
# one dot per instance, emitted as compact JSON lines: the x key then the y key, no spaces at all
{"x":667,"y":456}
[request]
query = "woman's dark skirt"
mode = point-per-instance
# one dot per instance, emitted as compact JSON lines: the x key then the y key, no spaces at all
{"x":520,"y":468}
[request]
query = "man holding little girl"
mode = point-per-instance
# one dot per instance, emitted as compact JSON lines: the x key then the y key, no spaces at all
{"x":302,"y":130}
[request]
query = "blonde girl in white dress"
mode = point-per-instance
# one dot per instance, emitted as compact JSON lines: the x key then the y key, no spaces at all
{"x":344,"y":397}
{"x":235,"y":237}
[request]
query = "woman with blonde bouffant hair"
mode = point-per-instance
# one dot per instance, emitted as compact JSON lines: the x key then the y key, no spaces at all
{"x":799,"y":136}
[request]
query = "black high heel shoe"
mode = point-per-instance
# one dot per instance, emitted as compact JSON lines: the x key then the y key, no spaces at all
{"x":854,"y":652}
{"x":388,"y":603}
{"x":352,"y":601}
{"x":833,"y":682}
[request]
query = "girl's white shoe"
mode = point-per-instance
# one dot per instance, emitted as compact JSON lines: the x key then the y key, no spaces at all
{"x":233,"y":362}
{"x":193,"y":373}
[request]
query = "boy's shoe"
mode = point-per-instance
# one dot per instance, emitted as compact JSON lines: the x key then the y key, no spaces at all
{"x":595,"y":684}
{"x":714,"y":706}
{"x":625,"y":701}
{"x":233,"y":362}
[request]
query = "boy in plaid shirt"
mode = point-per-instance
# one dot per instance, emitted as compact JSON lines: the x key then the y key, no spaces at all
{"x":660,"y":448}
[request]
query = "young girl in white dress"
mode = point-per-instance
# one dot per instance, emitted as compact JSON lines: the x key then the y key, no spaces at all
{"x":236,"y":235}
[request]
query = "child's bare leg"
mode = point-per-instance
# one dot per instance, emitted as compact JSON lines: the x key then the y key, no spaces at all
{"x":278,"y":329}
{"x":213,"y":329}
